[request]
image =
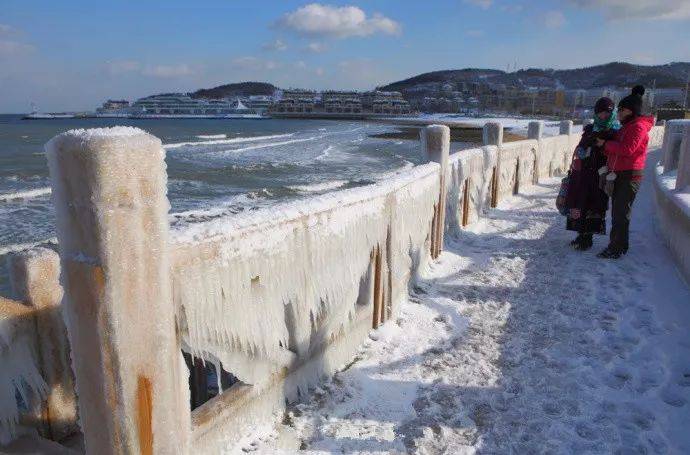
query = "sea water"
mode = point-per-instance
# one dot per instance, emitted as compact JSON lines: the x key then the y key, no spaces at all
{"x":215,"y":167}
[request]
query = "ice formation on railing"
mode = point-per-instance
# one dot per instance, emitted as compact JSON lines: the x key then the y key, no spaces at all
{"x":18,"y":371}
{"x":474,"y":167}
{"x":261,"y":291}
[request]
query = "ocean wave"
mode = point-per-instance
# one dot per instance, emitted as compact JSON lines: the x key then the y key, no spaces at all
{"x":269,"y":144}
{"x":325,"y":154}
{"x":25,"y":246}
{"x":407,"y":165}
{"x":211,"y":136}
{"x":319,"y":187}
{"x":28,"y":194}
{"x":235,"y":140}
{"x":228,"y":206}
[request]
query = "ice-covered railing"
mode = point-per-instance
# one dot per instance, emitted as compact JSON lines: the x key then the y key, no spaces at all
{"x":672,"y":189}
{"x":278,"y":298}
{"x":34,"y":352}
{"x":479,"y":178}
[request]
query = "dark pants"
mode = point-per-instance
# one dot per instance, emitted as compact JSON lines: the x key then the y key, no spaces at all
{"x":625,"y":189}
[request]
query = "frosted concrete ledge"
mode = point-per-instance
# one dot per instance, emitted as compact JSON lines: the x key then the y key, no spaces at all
{"x":673,"y":212}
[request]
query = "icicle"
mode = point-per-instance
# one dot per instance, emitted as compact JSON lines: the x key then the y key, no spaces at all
{"x":260,"y":290}
{"x":18,"y":373}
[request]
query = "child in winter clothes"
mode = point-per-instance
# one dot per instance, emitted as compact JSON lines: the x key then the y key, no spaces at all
{"x":626,"y":155}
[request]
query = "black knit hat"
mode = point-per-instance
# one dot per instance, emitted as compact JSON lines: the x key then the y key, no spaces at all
{"x":633,"y":101}
{"x":604,"y":105}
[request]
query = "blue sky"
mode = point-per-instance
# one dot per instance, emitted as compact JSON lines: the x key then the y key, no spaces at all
{"x":72,"y":55}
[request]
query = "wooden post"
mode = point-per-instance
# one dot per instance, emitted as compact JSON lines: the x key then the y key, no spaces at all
{"x":436,"y":147}
{"x":35,"y":279}
{"x":109,"y":190}
{"x":566,"y":127}
{"x":466,"y":203}
{"x":378,"y":288}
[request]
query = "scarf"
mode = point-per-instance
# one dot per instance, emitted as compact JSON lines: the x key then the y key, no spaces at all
{"x":610,"y":123}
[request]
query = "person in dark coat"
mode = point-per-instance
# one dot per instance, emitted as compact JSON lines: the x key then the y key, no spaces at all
{"x":586,"y":202}
{"x":626,"y":154}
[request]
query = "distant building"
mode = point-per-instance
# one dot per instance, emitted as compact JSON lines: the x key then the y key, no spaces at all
{"x":385,"y":103}
{"x":259,"y":103}
{"x":341,"y":102}
{"x":295,"y":100}
{"x":184,"y":105}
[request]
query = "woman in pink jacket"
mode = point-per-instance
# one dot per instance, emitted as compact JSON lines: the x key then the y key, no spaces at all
{"x":626,"y":154}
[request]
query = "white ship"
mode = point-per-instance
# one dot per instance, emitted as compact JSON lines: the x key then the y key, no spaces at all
{"x":35,"y":115}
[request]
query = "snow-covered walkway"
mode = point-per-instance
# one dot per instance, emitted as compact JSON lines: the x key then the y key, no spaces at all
{"x":515,"y":343}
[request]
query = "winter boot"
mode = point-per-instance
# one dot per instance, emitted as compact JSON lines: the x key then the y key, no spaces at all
{"x":576,"y":241}
{"x":610,"y":253}
{"x":585,"y":242}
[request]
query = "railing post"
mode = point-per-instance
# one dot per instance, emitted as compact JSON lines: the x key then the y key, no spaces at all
{"x":683,"y":175}
{"x":109,"y":191}
{"x":436,"y":147}
{"x":566,"y":127}
{"x":674,"y":130}
{"x":492,"y":133}
{"x":535,"y":130}
{"x":35,"y":279}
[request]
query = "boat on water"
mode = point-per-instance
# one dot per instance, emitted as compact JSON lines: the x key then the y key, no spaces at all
{"x":49,"y":115}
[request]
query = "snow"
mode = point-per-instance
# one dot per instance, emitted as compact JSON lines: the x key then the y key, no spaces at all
{"x":667,"y":181}
{"x":512,"y":342}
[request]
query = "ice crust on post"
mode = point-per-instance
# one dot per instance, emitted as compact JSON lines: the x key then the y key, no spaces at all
{"x":18,"y":370}
{"x":35,"y":279}
{"x":264,"y":290}
{"x":109,"y":191}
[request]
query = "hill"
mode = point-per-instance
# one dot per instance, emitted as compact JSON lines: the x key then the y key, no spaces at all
{"x":237,"y":89}
{"x":614,"y":74}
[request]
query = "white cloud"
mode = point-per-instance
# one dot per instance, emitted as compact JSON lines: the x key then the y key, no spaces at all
{"x":554,"y":19}
{"x":253,"y":64}
{"x":638,"y":9}
{"x":276,"y":45}
{"x":319,"y":71}
{"x":316,"y":47}
{"x":316,"y":19}
{"x":167,"y":71}
{"x":484,"y":4}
